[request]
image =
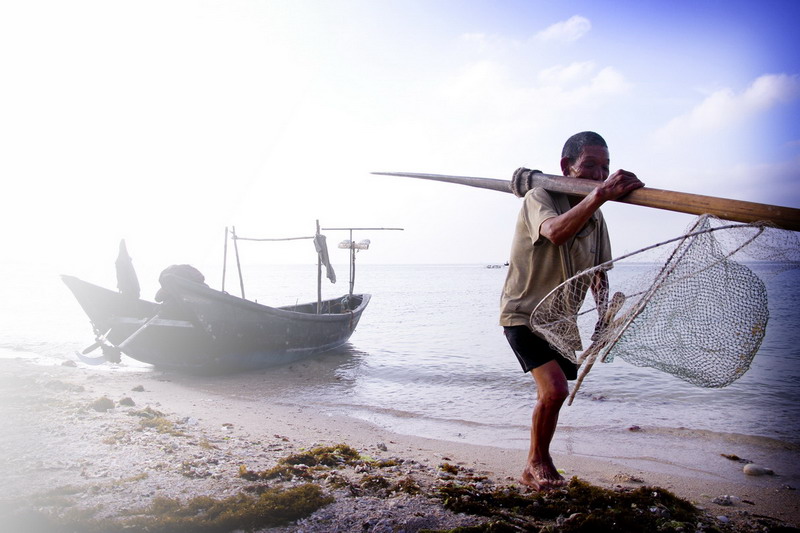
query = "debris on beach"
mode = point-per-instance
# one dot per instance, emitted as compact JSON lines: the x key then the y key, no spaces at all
{"x":127,"y":401}
{"x":102,"y":404}
{"x":757,"y":470}
{"x":750,"y":468}
{"x":734,"y":457}
{"x":725,"y":500}
{"x":627,"y":478}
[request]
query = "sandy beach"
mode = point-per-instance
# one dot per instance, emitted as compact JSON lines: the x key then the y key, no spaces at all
{"x":81,"y":445}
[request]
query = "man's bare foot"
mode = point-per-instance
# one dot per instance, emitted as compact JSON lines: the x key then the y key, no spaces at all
{"x":541,"y":476}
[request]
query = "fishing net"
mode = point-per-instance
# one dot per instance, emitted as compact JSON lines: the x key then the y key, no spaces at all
{"x":694,"y":306}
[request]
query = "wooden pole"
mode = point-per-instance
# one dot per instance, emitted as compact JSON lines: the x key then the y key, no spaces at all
{"x":724,"y":208}
{"x":319,"y":277}
{"x":238,"y":263}
{"x":225,"y":259}
{"x":352,"y":263}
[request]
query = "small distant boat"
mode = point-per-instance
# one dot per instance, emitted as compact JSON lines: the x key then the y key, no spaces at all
{"x":202,"y":330}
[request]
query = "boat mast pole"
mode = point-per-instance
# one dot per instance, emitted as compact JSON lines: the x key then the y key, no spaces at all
{"x":238,"y":263}
{"x":353,"y":248}
{"x":225,"y":259}
{"x":352,"y":262}
{"x":319,"y":277}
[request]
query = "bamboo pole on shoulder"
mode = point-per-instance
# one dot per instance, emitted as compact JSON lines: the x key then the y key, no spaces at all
{"x":681,"y":202}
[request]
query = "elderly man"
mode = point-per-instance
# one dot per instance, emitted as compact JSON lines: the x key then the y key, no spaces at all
{"x":556,"y":237}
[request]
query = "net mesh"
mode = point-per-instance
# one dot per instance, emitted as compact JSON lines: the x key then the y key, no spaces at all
{"x":692,"y":306}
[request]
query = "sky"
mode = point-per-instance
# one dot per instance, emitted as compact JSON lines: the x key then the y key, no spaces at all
{"x":164,"y":122}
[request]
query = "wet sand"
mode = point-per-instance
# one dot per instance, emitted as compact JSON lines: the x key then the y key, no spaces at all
{"x":55,"y":438}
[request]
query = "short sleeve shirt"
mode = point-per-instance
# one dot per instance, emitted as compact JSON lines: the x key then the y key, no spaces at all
{"x":535,"y":264}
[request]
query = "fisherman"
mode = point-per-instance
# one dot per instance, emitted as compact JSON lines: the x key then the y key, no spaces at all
{"x":556,"y":236}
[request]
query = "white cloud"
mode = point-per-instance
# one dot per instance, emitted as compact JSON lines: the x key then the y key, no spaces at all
{"x":477,"y":38}
{"x":610,"y":81}
{"x":476,"y":81}
{"x":561,"y":75}
{"x":772,"y":183}
{"x":489,"y":87}
{"x":568,"y":30}
{"x":768,"y":183}
{"x":725,"y":107}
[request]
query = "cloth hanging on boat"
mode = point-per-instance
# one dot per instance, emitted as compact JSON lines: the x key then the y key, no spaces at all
{"x":127,"y":282}
{"x":320,"y":243}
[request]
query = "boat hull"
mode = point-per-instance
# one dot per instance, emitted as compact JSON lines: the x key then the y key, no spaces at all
{"x":201,"y":330}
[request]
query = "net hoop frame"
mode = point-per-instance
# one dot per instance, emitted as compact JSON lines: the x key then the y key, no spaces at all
{"x":635,"y":311}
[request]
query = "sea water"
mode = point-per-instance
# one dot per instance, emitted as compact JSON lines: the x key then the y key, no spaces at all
{"x":428,"y":357}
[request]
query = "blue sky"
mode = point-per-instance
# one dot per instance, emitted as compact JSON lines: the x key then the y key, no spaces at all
{"x":163,"y":122}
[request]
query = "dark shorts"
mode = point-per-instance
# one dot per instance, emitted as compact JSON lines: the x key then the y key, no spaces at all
{"x":532,"y":351}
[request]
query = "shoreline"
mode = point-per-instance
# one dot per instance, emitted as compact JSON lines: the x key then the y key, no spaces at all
{"x":54,"y":440}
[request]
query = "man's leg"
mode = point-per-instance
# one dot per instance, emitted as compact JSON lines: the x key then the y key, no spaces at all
{"x":552,"y":390}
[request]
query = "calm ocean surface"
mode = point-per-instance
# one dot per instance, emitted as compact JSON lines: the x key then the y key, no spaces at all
{"x":429,"y":359}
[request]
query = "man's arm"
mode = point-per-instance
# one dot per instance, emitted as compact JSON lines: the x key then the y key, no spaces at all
{"x":560,"y":228}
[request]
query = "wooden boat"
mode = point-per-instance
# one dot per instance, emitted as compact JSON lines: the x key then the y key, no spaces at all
{"x":210,"y":331}
{"x":202,"y":330}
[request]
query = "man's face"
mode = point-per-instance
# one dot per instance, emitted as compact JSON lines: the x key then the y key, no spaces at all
{"x":591,"y":164}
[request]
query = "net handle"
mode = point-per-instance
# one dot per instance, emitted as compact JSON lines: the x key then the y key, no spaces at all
{"x":589,"y":355}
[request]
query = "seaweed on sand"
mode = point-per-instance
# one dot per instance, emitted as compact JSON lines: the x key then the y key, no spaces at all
{"x":300,"y":464}
{"x":202,"y":514}
{"x":579,"y":506}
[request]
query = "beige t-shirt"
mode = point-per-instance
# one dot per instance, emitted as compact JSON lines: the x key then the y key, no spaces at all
{"x":535,"y":266}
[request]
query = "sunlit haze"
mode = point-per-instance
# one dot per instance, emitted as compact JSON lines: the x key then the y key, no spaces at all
{"x":163,"y":122}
